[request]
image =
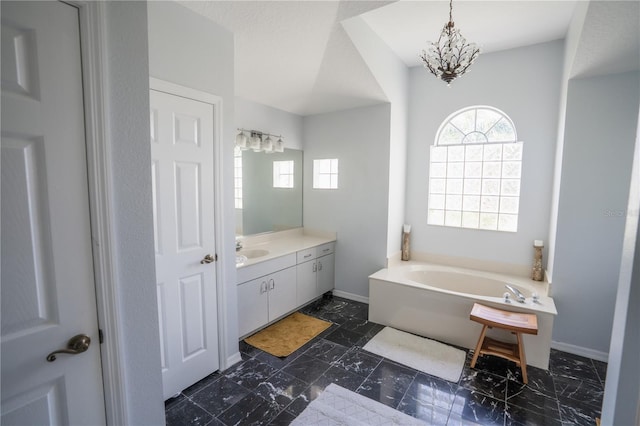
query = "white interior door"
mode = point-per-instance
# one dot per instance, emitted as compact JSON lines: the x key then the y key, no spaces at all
{"x":47,"y":291}
{"x":182,"y":173}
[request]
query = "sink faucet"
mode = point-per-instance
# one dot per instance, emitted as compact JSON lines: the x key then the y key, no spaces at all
{"x":238,"y":245}
{"x":517,"y":293}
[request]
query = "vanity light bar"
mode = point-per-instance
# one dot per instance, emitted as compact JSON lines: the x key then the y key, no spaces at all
{"x":256,"y":142}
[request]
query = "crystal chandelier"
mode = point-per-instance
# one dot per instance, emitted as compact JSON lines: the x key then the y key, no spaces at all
{"x":451,"y":55}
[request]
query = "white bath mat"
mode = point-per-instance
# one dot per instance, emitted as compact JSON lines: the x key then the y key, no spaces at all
{"x":339,"y":406}
{"x":423,"y":354}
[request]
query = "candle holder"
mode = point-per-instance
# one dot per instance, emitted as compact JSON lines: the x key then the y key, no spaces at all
{"x":536,"y":272}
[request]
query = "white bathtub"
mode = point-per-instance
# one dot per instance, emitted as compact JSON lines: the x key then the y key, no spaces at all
{"x":435,"y":301}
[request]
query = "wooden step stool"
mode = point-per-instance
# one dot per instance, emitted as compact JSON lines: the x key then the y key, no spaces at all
{"x":515,"y":322}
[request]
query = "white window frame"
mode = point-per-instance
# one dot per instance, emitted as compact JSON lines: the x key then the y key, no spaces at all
{"x":475,"y":172}
{"x":237,"y":177}
{"x":325,"y":173}
{"x":283,"y":173}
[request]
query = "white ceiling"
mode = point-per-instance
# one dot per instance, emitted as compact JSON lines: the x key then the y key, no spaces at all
{"x":295,"y":55}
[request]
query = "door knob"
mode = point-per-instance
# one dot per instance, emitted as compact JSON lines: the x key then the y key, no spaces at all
{"x":77,"y":345}
{"x":208,"y":259}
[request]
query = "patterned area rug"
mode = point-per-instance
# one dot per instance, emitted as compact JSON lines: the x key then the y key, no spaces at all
{"x":287,"y":335}
{"x":426,"y":355}
{"x":339,"y":406}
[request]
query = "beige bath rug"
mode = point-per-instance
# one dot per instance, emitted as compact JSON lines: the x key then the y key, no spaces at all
{"x":287,"y":335}
{"x":426,"y":355}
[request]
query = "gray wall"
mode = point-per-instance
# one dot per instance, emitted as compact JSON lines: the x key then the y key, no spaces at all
{"x":621,"y":404}
{"x":525,"y":84}
{"x":357,"y":211}
{"x":254,"y":116}
{"x":601,"y":120}
{"x":128,"y":111}
{"x":187,"y":49}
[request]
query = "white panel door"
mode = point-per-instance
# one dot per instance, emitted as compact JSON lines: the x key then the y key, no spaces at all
{"x":182,"y":175}
{"x":253,"y":306}
{"x":48,"y":290}
{"x":306,"y":285}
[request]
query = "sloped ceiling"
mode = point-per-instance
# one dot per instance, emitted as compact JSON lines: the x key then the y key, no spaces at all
{"x":296,"y":56}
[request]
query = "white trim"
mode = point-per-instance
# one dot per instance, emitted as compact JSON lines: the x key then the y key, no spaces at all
{"x":235,"y":358}
{"x":221,"y":273}
{"x":351,"y":296}
{"x":94,"y":49}
{"x":579,"y":350}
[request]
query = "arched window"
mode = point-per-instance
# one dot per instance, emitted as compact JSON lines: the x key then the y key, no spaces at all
{"x":474,"y":171}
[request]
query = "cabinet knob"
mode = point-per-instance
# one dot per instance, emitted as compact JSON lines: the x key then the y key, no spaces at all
{"x":315,"y":267}
{"x":319,"y":266}
{"x":272,"y":284}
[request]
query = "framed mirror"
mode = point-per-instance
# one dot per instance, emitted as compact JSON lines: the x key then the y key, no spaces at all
{"x":268,"y":191}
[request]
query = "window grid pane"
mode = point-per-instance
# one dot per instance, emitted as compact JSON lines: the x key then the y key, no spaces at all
{"x":475,"y":194}
{"x":283,"y":174}
{"x":325,"y":174}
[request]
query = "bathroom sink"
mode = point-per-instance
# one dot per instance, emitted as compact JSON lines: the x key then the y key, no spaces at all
{"x":253,"y":253}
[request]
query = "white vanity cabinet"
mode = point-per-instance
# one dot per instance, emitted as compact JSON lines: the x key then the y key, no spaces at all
{"x":315,"y":272}
{"x":266,"y":291}
{"x":271,"y":289}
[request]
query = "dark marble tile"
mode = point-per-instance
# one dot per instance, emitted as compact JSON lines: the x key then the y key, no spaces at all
{"x":250,"y":410}
{"x":279,"y":362}
{"x":283,"y":419}
{"x":247,"y":349}
{"x":484,"y":382}
{"x":518,"y":416}
{"x":431,"y":415}
{"x":576,"y":413}
{"x":601,"y":369}
{"x":300,"y":403}
{"x":492,"y":364}
{"x":250,"y":373}
{"x":358,"y":362}
{"x":527,"y":396}
{"x":539,"y":380}
{"x":340,"y":377}
{"x":219,"y":395}
{"x":360,"y":326}
{"x":281,"y":388}
{"x":572,"y":366}
{"x":344,"y":337}
{"x":172,"y":402}
{"x":429,"y":399}
{"x":187,"y":413}
{"x":334,"y":317}
{"x":202,"y":383}
{"x":387,"y":383}
{"x":326,"y":351}
{"x":215,"y":422}
{"x":583,"y":391}
{"x":306,"y":368}
{"x":471,"y":407}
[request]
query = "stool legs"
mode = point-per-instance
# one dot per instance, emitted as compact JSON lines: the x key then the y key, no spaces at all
{"x":523,"y":359}
{"x":476,"y":353}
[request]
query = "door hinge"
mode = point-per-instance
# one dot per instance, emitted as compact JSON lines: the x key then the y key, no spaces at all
{"x":100,"y":336}
{"x":216,"y":257}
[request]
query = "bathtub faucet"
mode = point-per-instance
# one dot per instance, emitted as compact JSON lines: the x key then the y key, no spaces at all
{"x":517,"y":293}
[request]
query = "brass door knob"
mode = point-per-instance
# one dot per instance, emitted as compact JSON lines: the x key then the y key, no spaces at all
{"x":77,"y":345}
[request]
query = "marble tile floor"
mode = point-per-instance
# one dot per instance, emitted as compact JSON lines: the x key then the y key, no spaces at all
{"x":263,"y":389}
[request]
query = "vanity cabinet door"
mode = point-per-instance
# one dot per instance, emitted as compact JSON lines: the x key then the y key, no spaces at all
{"x":253,"y":307}
{"x":307,"y":289}
{"x":326,"y":273}
{"x":282,"y":293}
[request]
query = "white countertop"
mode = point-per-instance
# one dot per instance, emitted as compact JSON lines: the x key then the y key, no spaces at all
{"x":282,"y":243}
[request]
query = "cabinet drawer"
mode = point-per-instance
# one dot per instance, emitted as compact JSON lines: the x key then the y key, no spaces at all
{"x":325,"y":249}
{"x":306,"y":255}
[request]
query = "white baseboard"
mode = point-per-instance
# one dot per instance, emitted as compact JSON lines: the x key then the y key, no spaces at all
{"x":351,"y":296}
{"x":579,"y":350}
{"x":233,"y":359}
